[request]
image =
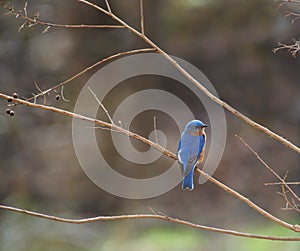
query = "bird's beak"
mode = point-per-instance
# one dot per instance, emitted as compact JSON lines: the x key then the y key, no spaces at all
{"x":201,"y":127}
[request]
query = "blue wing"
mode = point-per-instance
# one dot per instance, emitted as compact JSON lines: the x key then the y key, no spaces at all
{"x":179,"y":145}
{"x":179,"y":153}
{"x":188,"y":169}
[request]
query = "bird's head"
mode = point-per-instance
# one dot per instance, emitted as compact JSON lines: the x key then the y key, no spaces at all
{"x":195,"y":127}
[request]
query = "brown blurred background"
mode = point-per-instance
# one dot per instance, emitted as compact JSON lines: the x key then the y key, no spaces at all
{"x":230,"y":41}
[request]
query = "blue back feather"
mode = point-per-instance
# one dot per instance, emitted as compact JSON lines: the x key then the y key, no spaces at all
{"x":189,"y":150}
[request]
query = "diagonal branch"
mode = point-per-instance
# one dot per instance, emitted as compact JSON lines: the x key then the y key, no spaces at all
{"x":215,"y":99}
{"x":251,"y":204}
{"x":102,"y":106}
{"x":92,"y":120}
{"x":268,"y":167}
{"x":169,"y":154}
{"x":120,"y":54}
{"x":97,"y":7}
{"x":108,"y":6}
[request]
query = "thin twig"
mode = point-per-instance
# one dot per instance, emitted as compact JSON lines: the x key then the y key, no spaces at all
{"x":96,"y":7}
{"x":292,"y":48}
{"x":148,"y":216}
{"x":142,"y":17}
{"x":90,"y":68}
{"x":295,"y":16}
{"x":102,"y":106}
{"x":155,"y":129}
{"x":62,"y":94}
{"x":103,"y":128}
{"x":25,"y":9}
{"x":82,"y":26}
{"x":108,"y":6}
{"x":251,"y":204}
{"x":37,"y":86}
{"x":297,"y":2}
{"x":40,"y":90}
{"x":289,"y":204}
{"x":268,"y":167}
{"x":36,"y":21}
{"x":284,"y":2}
{"x":280,"y":183}
{"x":152,"y":211}
{"x":195,"y":82}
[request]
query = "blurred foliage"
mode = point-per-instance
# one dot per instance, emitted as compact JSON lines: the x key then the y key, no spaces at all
{"x":231,"y":41}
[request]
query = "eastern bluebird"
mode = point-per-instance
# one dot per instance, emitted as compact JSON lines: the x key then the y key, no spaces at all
{"x":191,"y":151}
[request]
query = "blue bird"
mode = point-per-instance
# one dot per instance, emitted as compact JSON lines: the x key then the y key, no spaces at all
{"x":191,"y":151}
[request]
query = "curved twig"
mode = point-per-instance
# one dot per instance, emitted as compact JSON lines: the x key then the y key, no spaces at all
{"x":148,"y":216}
{"x":120,"y":54}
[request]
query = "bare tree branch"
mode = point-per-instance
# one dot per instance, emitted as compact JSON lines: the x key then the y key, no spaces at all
{"x":235,"y":112}
{"x":290,"y":202}
{"x":112,"y":127}
{"x":92,"y":120}
{"x":142,"y":17}
{"x":125,"y":53}
{"x":155,"y":129}
{"x":280,"y":183}
{"x":102,"y":106}
{"x":155,"y":47}
{"x":108,"y":6}
{"x":229,"y":190}
{"x":148,"y":216}
{"x":251,"y":204}
{"x":30,"y":22}
{"x":293,"y":48}
{"x":269,"y":168}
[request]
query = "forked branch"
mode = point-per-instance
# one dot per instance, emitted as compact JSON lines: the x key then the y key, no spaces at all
{"x":269,"y":168}
{"x":111,"y":126}
{"x":87,"y":69}
{"x":35,"y":20}
{"x":217,"y":100}
{"x":293,"y":48}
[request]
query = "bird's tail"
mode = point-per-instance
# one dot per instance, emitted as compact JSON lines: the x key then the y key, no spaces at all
{"x":188,"y":181}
